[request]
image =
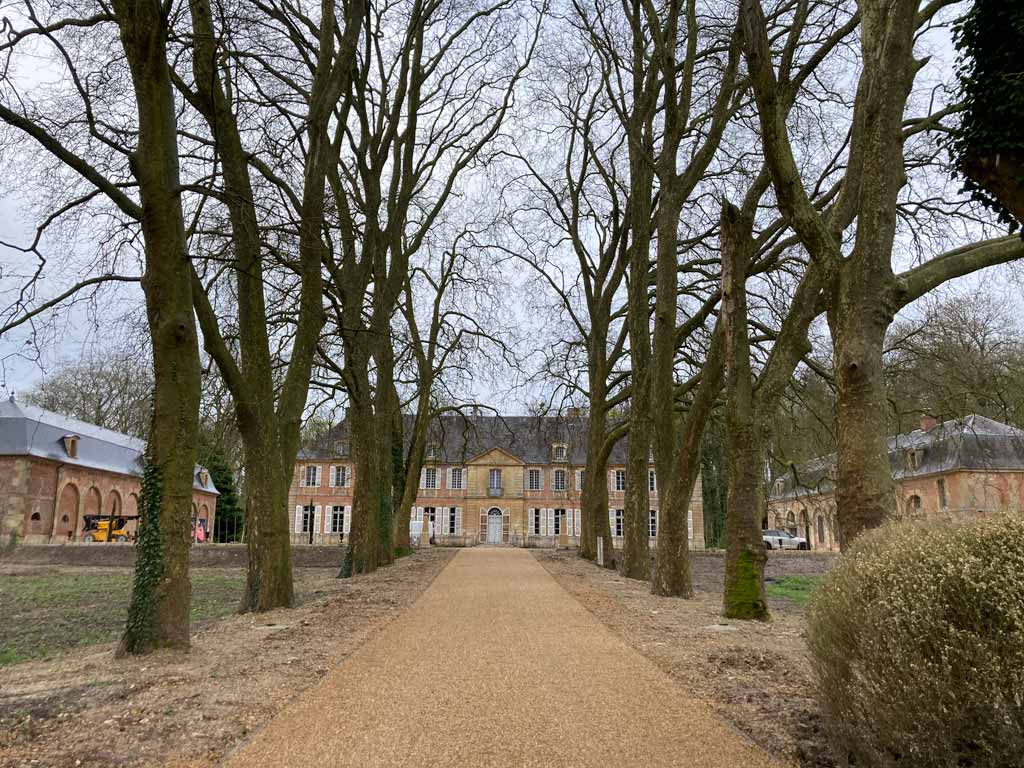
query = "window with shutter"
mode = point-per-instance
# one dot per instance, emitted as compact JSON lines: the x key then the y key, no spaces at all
{"x":618,"y":523}
{"x":689,"y":522}
{"x":430,"y":478}
{"x":458,"y":521}
{"x":579,"y":479}
{"x":620,"y":479}
{"x":337,"y":519}
{"x":653,"y":524}
{"x":458,"y":479}
{"x":576,"y":514}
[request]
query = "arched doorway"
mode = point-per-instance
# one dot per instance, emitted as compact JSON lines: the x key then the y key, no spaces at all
{"x":67,"y":513}
{"x":93,"y":506}
{"x":821,"y":530}
{"x":494,"y":526}
{"x":791,"y":522}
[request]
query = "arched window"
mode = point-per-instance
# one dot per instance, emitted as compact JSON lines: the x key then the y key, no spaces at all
{"x":821,"y":529}
{"x":914,"y":503}
{"x":791,"y":522}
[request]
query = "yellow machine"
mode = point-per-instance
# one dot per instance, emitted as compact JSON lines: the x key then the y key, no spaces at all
{"x":99,"y":528}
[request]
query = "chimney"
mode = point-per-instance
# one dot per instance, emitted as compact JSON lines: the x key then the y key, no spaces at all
{"x":927,"y":422}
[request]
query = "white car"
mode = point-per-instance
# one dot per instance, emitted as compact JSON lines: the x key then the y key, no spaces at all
{"x":782,"y":540}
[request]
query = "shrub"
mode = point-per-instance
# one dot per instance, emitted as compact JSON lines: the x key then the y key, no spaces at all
{"x":917,"y":645}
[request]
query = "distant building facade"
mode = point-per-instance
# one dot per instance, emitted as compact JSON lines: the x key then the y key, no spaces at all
{"x":55,"y":471}
{"x":514,"y":480}
{"x":961,"y":467}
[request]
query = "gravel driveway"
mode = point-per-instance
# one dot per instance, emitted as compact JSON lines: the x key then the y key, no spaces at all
{"x":497,"y":665}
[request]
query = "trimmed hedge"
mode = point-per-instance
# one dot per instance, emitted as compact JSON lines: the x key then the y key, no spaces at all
{"x":917,"y":645}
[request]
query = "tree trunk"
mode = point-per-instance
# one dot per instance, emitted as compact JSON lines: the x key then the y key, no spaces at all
{"x":268,"y":582}
{"x":745,"y":556}
{"x":158,"y":615}
{"x":636,"y":549}
{"x":400,"y":513}
{"x":594,"y":502}
{"x":363,"y":553}
{"x":865,"y":494}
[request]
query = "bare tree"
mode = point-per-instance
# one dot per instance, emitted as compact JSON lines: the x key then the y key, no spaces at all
{"x":106,"y":388}
{"x":425,"y":107}
{"x":864,"y":293}
{"x":269,"y":404}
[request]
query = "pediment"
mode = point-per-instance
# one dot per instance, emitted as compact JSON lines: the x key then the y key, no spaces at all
{"x":496,"y":456}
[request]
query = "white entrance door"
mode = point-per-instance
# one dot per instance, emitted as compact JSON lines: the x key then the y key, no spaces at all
{"x":494,"y":526}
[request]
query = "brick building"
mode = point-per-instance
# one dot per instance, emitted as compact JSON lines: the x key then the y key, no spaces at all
{"x":55,"y":470}
{"x":959,"y":467}
{"x":513,"y":480}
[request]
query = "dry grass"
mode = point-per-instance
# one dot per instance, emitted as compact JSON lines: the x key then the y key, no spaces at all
{"x":85,"y":708}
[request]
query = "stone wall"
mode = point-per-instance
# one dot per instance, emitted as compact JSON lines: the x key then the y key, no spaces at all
{"x":123,"y":555}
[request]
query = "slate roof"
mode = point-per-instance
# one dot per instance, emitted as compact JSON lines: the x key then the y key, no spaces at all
{"x":27,"y":430}
{"x":460,"y":437}
{"x":972,"y":443}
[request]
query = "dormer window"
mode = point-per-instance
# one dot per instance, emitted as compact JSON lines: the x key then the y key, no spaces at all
{"x":779,"y":486}
{"x":341,"y":448}
{"x":71,"y":445}
{"x":204,"y":478}
{"x":560,"y":451}
{"x":431,"y":451}
{"x":915,"y":457}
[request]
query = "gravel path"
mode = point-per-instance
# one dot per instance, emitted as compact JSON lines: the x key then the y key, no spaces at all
{"x":496,"y":665}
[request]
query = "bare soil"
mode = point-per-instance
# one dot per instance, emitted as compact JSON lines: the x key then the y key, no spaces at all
{"x":755,"y":675}
{"x":85,"y":708}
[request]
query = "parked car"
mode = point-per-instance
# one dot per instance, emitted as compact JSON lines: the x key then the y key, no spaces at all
{"x":782,"y":540}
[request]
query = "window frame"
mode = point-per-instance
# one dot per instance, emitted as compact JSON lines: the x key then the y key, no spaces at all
{"x":461,"y":485}
{"x":555,"y":485}
{"x":306,"y":482}
{"x":336,"y":511}
{"x":308,"y":518}
{"x":529,"y":479}
{"x":426,"y":479}
{"x":491,"y":475}
{"x":619,"y":523}
{"x":620,"y":474}
{"x":652,"y":524}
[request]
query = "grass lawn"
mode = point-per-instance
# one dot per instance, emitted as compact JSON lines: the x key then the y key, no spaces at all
{"x":795,"y":588}
{"x":44,"y":614}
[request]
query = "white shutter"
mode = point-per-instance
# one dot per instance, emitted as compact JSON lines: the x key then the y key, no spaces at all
{"x":689,"y":522}
{"x":347,"y":524}
{"x":458,"y":521}
{"x":316,"y":516}
{"x":448,"y":478}
{"x":611,"y":520}
{"x":318,"y":470}
{"x":298,"y":520}
{"x":551,"y":522}
{"x":579,"y":479}
{"x":423,"y":477}
{"x":576,"y":516}
{"x":611,"y":480}
{"x":330,"y":476}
